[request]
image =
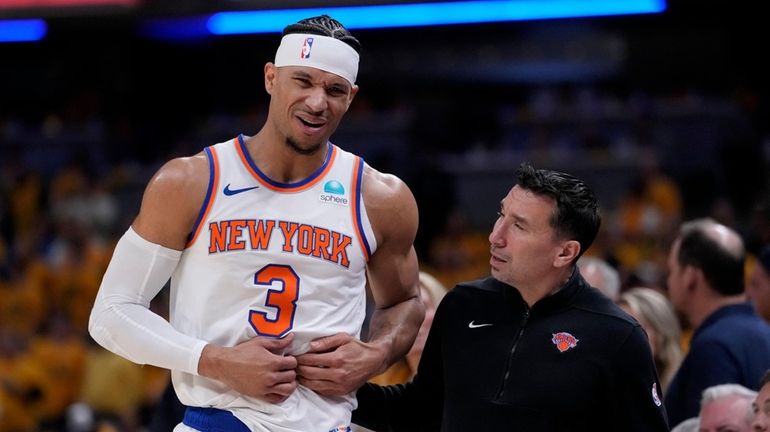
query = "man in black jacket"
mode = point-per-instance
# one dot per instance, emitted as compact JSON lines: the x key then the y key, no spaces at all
{"x":534,"y":347}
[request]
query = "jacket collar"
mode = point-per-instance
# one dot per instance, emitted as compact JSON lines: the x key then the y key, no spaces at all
{"x":561,"y":299}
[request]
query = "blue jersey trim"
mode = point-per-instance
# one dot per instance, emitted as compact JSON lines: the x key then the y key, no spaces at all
{"x":359,"y":199}
{"x":209,"y":193}
{"x":268,"y":180}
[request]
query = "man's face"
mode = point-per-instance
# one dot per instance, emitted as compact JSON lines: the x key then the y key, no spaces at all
{"x":762,"y":410}
{"x":523,"y":243}
{"x":759,"y":291}
{"x":306,"y":104}
{"x":675,"y":279}
{"x":729,"y":414}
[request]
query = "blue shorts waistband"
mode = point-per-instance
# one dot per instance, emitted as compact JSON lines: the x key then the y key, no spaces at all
{"x":213,"y":420}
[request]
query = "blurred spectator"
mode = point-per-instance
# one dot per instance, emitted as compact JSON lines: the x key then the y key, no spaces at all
{"x":762,"y":405}
{"x":654,"y":204}
{"x":730,"y":344}
{"x":23,"y":302}
{"x":76,"y":263}
{"x":759,"y":225}
{"x":19,"y":385}
{"x":689,"y":425}
{"x":758,"y":291}
{"x":40,"y":376}
{"x":726,"y":407}
{"x":80,"y":418}
{"x":458,"y":253}
{"x":79,"y":198}
{"x":27,"y":196}
{"x":59,"y":356}
{"x":646,"y":216}
{"x":656,"y":315}
{"x":600,"y":275}
{"x":723,"y":211}
{"x":112,"y":387}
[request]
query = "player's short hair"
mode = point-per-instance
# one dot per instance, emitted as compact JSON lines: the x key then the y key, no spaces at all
{"x":324,"y":25}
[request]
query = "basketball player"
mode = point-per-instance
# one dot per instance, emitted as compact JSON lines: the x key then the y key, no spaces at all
{"x":268,"y":241}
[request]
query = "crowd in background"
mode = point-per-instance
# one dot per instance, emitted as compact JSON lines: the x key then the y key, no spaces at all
{"x":70,"y":184}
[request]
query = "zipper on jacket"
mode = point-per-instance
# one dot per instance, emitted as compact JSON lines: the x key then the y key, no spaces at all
{"x":524,"y":320}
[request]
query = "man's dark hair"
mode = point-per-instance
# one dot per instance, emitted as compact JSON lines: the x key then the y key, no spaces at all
{"x":324,"y":25}
{"x":722,"y":268}
{"x":577,"y":211}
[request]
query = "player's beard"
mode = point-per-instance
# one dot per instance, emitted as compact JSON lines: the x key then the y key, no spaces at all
{"x":302,"y":150}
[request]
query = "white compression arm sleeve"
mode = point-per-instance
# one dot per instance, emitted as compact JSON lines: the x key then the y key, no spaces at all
{"x":121,"y":320}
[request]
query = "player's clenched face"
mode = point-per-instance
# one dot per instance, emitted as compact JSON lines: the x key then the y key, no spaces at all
{"x":306,"y":104}
{"x":523,"y":243}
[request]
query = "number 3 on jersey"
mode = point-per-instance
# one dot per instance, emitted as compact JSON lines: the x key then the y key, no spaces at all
{"x":283,"y":299}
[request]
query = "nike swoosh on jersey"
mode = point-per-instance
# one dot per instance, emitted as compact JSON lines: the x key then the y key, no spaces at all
{"x":473,"y":325}
{"x":231,"y":192}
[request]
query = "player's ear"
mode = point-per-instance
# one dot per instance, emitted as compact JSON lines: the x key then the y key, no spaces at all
{"x":353,"y":93}
{"x":270,"y":71}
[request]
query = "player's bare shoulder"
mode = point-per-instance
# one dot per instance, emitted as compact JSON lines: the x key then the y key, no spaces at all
{"x":172,"y":200}
{"x":190,"y":173}
{"x":390,"y":204}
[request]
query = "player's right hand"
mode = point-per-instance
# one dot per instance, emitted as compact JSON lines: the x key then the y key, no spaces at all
{"x":255,"y":368}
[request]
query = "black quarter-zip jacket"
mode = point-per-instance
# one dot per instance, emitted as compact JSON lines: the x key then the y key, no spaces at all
{"x":572,"y":362}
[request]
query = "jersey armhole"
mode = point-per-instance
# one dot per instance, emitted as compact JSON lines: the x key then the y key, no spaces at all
{"x":358,"y":212}
{"x":211,"y":155}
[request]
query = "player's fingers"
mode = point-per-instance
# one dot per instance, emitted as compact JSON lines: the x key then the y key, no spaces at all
{"x":329,"y":343}
{"x":276,"y":346}
{"x":286,"y":363}
{"x":313,"y":372}
{"x":310,"y":359}
{"x":284,"y":389}
{"x":326,"y":361}
{"x":288,"y":376}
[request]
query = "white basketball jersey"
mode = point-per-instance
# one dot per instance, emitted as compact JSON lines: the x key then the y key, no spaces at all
{"x":269,"y":258}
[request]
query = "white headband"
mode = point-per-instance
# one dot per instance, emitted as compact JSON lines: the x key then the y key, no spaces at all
{"x":320,"y":52}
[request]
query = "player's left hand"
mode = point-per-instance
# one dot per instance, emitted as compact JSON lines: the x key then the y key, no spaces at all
{"x":338,"y":364}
